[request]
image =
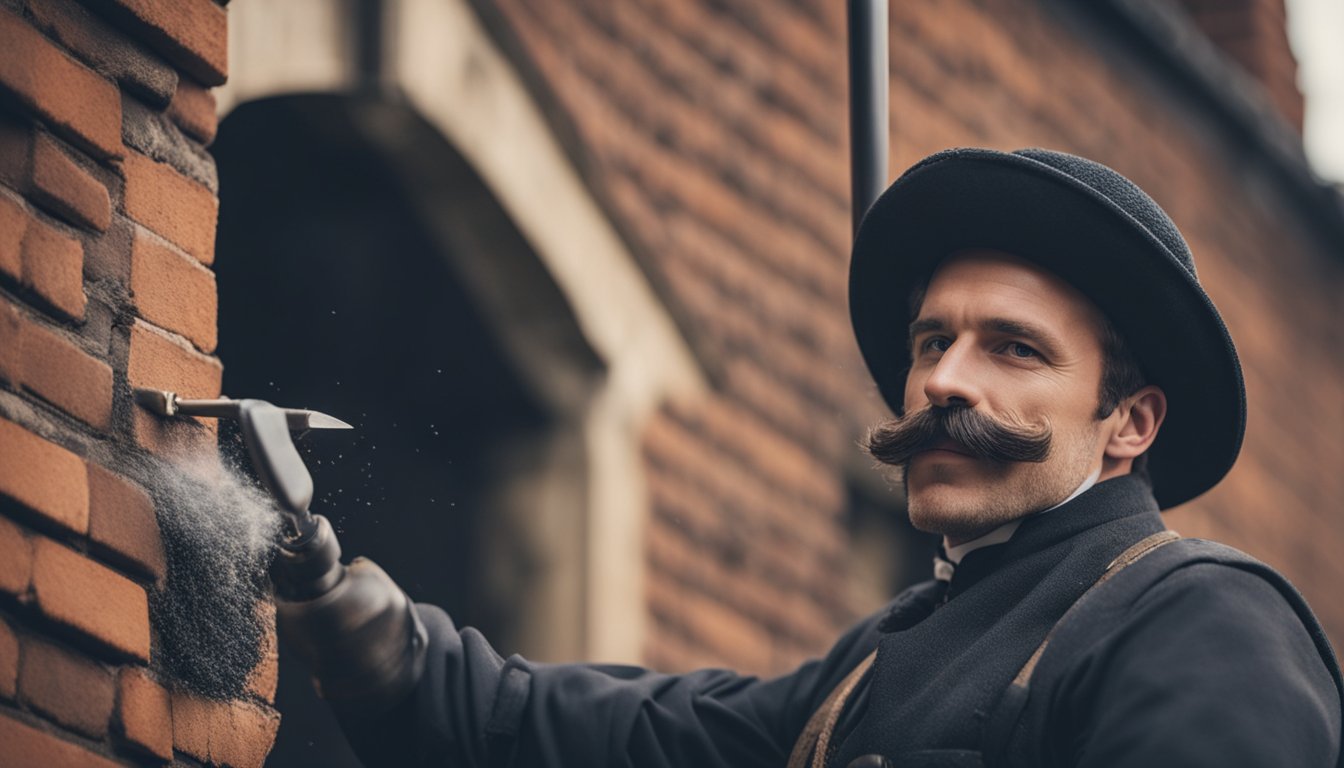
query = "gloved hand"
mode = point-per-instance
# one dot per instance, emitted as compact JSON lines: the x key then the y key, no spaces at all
{"x":354,"y":627}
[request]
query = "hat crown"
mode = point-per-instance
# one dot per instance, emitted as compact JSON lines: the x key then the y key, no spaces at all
{"x":1122,"y":192}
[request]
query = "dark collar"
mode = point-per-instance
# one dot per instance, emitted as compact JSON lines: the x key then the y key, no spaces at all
{"x":1121,"y":497}
{"x":1113,"y":499}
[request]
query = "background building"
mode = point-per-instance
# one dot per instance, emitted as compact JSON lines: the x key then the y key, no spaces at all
{"x":576,"y":271}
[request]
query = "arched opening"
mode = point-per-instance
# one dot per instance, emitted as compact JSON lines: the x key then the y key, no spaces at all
{"x":365,"y":270}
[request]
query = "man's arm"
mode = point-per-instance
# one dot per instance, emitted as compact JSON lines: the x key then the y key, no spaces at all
{"x":472,"y":708}
{"x":1211,"y":668}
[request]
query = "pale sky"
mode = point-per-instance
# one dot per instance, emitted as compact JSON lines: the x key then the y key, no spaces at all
{"x":1316,"y":32}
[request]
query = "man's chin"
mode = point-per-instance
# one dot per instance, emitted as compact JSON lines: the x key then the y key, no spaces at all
{"x":957,"y":511}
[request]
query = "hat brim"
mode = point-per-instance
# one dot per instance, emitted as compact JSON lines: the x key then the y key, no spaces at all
{"x":993,"y":200}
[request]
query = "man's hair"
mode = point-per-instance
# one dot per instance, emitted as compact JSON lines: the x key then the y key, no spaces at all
{"x":1120,"y":372}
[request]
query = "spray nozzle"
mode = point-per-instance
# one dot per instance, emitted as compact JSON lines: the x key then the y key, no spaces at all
{"x":266,"y":432}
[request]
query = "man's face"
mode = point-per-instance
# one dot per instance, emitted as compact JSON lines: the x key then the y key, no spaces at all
{"x":1017,"y":344}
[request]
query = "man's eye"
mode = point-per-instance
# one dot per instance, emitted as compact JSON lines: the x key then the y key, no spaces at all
{"x":937,"y":344}
{"x":1018,"y":349}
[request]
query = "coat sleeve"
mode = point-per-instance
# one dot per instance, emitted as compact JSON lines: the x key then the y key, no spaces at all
{"x":1211,"y":668}
{"x":473,"y":709}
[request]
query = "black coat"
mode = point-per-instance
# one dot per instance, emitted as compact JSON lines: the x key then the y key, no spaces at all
{"x":1196,"y":656}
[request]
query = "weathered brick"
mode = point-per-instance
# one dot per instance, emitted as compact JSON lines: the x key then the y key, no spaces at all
{"x":28,"y":747}
{"x":160,"y":360}
{"x":239,"y":734}
{"x":73,"y":98}
{"x":122,"y":525}
{"x":174,"y":291}
{"x":16,"y":559}
{"x":44,"y":477}
{"x":265,"y":677}
{"x":194,"y":111}
{"x":179,"y":209}
{"x":193,"y":34}
{"x":106,"y":50}
{"x":68,"y":688}
{"x":176,"y":438}
{"x":144,"y":713}
{"x":53,"y":266}
{"x":9,"y":661}
{"x":54,"y":368}
{"x":69,"y":191}
{"x":96,"y":601}
{"x":13,"y":223}
{"x":41,"y":258}
{"x":16,"y":149}
{"x":12,"y":323}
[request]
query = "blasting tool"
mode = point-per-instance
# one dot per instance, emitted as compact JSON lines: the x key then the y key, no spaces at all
{"x":354,"y":627}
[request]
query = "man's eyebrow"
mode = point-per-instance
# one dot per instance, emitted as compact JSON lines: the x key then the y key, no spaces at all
{"x":925,"y":325}
{"x":1048,"y":342}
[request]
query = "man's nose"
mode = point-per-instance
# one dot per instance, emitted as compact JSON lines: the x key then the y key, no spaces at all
{"x":953,"y":381}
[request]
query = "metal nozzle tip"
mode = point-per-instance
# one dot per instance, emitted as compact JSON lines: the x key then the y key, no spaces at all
{"x":318,"y":420}
{"x":158,"y":401}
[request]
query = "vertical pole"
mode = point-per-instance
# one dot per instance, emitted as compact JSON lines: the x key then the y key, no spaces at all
{"x":868,"y":122}
{"x":370,"y":63}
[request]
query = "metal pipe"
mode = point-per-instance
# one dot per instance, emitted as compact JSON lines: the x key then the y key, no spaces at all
{"x":868,"y":121}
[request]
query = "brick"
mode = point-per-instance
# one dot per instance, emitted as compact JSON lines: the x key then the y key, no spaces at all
{"x":44,"y":477}
{"x":193,"y":34}
{"x":265,"y":677}
{"x":239,"y":734}
{"x":16,"y":559}
{"x":53,"y":266}
{"x":106,"y":50}
{"x":122,"y":525}
{"x":174,"y":206}
{"x":13,"y":223}
{"x":68,"y":688}
{"x":194,"y":111}
{"x":73,"y":98}
{"x":16,"y":150}
{"x":69,"y":191}
{"x":176,"y":438}
{"x":162,"y":361}
{"x":144,"y":713}
{"x":54,"y":368}
{"x":12,"y":323}
{"x":28,"y":747}
{"x":92,"y":599}
{"x":174,"y":291}
{"x":9,"y":662}
{"x":42,"y":258}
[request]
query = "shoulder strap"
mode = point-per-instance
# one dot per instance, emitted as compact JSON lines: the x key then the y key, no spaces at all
{"x":1009,"y":710}
{"x":814,"y":743}
{"x":815,"y":740}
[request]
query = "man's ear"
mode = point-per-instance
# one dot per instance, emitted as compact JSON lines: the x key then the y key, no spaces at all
{"x":1141,"y":416}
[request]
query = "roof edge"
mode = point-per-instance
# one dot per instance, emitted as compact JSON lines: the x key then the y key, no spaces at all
{"x":1180,"y":48}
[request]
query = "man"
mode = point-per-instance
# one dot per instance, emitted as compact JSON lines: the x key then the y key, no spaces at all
{"x":1059,"y":376}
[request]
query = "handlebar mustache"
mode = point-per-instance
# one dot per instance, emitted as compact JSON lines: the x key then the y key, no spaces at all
{"x":897,"y":441}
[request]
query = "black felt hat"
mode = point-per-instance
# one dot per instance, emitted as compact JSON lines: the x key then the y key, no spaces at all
{"x":1096,"y":230}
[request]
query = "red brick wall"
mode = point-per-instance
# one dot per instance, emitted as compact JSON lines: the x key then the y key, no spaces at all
{"x":715,"y":133}
{"x":1254,"y":33}
{"x":107,"y":218}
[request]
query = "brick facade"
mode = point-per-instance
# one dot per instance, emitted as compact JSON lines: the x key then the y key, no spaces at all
{"x":107,"y":220}
{"x":714,"y":135}
{"x":715,"y":132}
